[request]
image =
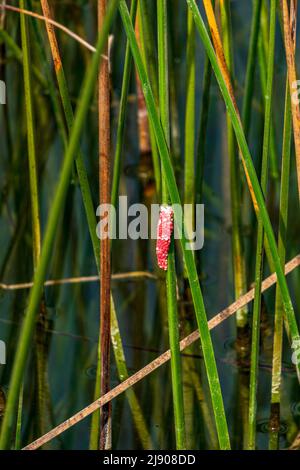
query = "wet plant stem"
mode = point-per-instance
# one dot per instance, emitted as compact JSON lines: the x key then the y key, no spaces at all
{"x":173,"y":322}
{"x":250,"y":71}
{"x":260,"y":235}
{"x":208,"y":352}
{"x":263,"y":55}
{"x":239,"y":266}
{"x":105,"y":257}
{"x":200,"y":153}
{"x":252,"y":180}
{"x":55,"y":211}
{"x":291,"y":65}
{"x":189,"y":148}
{"x":122,"y":113}
{"x":282,"y":237}
{"x":91,"y":219}
{"x":33,"y":175}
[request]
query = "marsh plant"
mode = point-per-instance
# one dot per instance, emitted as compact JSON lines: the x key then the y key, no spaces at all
{"x":120,"y":122}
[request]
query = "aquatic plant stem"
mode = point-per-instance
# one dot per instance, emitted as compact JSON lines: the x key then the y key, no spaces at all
{"x":189,"y":142}
{"x":33,"y":179}
{"x":105,"y":259}
{"x":55,"y":211}
{"x":254,"y":186}
{"x":263,"y":55}
{"x":91,"y":219}
{"x":122,"y":113}
{"x":188,"y":256}
{"x":33,"y":171}
{"x":238,"y":258}
{"x":146,"y":42}
{"x":282,"y":235}
{"x":160,"y":360}
{"x":260,"y":236}
{"x":200,"y":153}
{"x":279,"y":311}
{"x":173,"y":322}
{"x":251,"y":61}
{"x":291,"y":65}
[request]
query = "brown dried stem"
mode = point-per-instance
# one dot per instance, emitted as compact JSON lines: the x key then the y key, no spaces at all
{"x":159,"y":361}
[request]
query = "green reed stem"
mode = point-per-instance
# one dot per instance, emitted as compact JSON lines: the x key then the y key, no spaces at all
{"x":239,"y":265}
{"x":134,"y":405}
{"x":91,"y":218}
{"x":200,"y":154}
{"x":245,"y":153}
{"x":137,"y":412}
{"x":189,"y":147}
{"x":55,"y":211}
{"x":33,"y":177}
{"x":18,"y":439}
{"x":164,"y":106}
{"x":122,"y":114}
{"x":260,"y":236}
{"x":33,"y":171}
{"x":282,"y":232}
{"x":49,"y":84}
{"x":206,"y":342}
{"x":251,"y":62}
{"x":264,"y":46}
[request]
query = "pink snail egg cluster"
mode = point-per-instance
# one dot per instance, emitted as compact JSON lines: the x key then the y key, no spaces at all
{"x":164,"y":233}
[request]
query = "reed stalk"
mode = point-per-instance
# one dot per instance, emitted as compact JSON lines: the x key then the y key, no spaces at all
{"x":146,"y":43}
{"x":17,"y":53}
{"x":200,"y":153}
{"x":164,"y":106}
{"x":291,"y":66}
{"x":209,"y":357}
{"x":263,"y":55}
{"x":32,"y":160}
{"x":34,"y":195}
{"x":238,"y":258}
{"x":122,"y":113}
{"x":55,"y":211}
{"x":260,"y":235}
{"x":190,"y":110}
{"x":91,"y":219}
{"x":105,"y":260}
{"x":279,"y":311}
{"x":251,"y":62}
{"x":282,"y":237}
{"x":252,"y":180}
{"x":162,"y":50}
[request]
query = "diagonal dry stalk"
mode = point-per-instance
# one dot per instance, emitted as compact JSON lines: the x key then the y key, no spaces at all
{"x":105,"y":265}
{"x":289,"y":29}
{"x":132,"y":275}
{"x":51,"y":22}
{"x":160,"y":360}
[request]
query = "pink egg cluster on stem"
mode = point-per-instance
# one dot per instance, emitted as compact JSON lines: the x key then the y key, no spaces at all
{"x":164,"y":233}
